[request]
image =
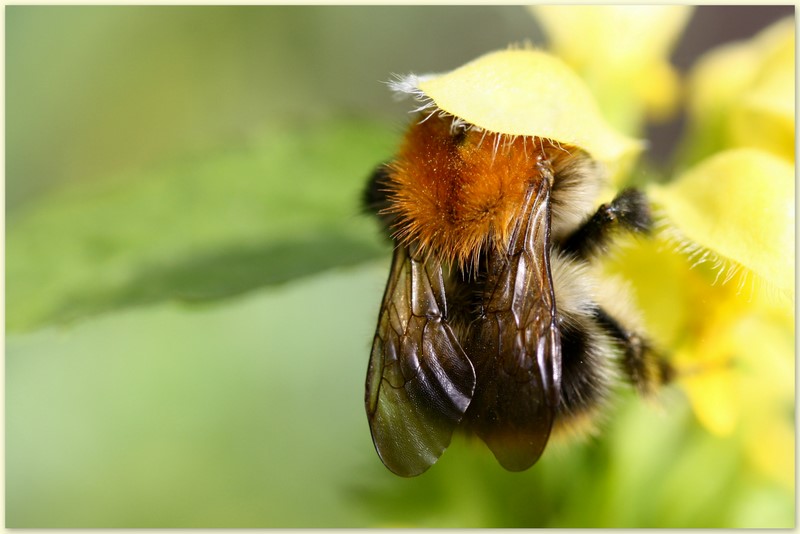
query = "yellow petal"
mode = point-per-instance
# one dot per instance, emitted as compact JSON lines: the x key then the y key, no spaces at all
{"x":740,"y":205}
{"x":724,"y":73}
{"x":623,"y":37}
{"x":663,"y":292}
{"x":659,"y":87}
{"x":765,"y":116}
{"x":743,"y":356}
{"x":714,"y":396}
{"x":719,"y":77}
{"x":742,"y":94}
{"x":704,"y":360}
{"x":622,"y":52}
{"x":525,"y":92}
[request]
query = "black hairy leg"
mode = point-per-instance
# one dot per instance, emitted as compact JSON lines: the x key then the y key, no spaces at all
{"x":628,"y":211}
{"x":641,"y":364}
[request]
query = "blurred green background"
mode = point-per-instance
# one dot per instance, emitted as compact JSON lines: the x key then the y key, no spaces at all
{"x":191,"y":289}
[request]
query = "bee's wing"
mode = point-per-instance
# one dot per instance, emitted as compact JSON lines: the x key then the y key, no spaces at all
{"x":419,"y":381}
{"x":515,"y":344}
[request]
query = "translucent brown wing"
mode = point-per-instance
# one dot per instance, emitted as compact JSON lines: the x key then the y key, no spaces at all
{"x":515,"y":344}
{"x":419,"y":382}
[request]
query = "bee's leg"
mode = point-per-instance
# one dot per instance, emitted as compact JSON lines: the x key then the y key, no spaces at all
{"x":629,"y":211}
{"x":642,"y":365}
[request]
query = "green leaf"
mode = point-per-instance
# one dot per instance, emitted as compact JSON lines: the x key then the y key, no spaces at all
{"x":247,"y":414}
{"x":215,"y":225}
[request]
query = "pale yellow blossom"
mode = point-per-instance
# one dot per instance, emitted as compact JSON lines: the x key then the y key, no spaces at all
{"x":622,"y":52}
{"x":743,"y":94}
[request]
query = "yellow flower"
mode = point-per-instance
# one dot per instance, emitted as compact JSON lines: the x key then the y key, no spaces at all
{"x":717,"y":286}
{"x":742,"y":95}
{"x":622,"y":53}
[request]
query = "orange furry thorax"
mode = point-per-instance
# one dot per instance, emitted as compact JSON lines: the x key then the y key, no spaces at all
{"x":456,"y":191}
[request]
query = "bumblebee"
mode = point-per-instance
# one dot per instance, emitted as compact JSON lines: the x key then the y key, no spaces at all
{"x":491,"y":321}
